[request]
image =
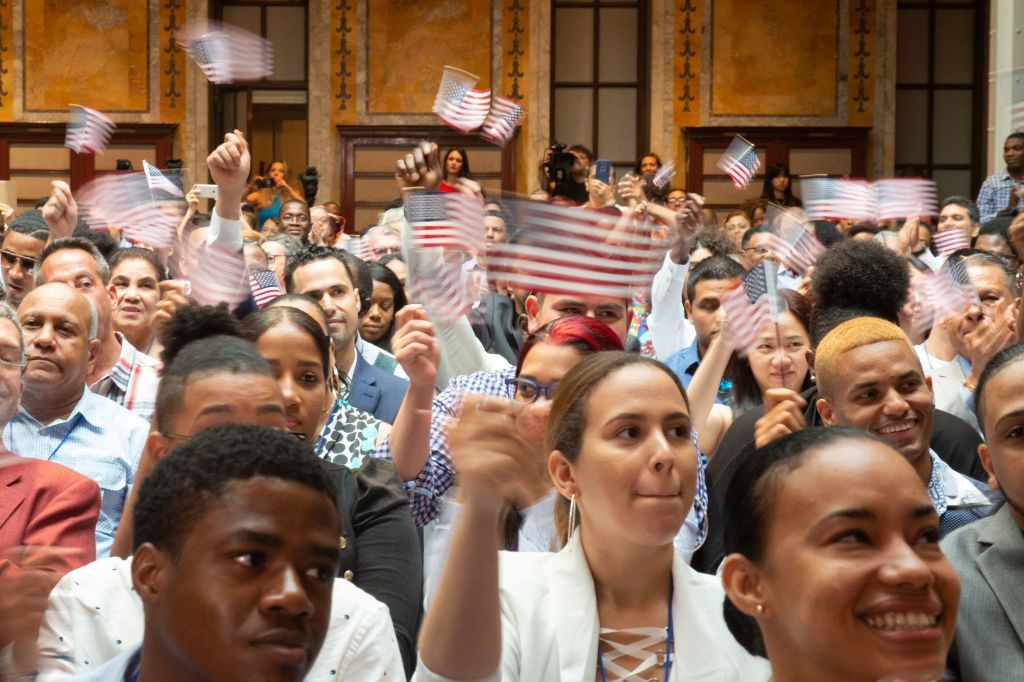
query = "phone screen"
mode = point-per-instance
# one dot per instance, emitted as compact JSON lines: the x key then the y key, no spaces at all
{"x":603,"y":170}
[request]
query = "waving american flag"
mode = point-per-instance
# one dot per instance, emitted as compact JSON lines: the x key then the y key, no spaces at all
{"x":88,"y":130}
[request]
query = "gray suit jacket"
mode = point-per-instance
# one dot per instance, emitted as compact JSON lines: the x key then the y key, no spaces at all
{"x":988,"y":555}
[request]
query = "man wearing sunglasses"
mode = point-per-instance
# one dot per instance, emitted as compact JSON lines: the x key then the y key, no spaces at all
{"x":19,"y":251}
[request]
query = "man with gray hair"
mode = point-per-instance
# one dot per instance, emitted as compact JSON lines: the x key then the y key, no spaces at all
{"x":59,"y":419}
{"x":382,"y":240}
{"x":19,"y":251}
{"x":120,"y":371}
{"x":279,"y":248}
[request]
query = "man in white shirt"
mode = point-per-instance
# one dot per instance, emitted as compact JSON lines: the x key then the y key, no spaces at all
{"x":236,"y":553}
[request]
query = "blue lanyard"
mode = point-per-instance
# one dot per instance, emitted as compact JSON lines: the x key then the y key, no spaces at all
{"x":668,"y":643}
{"x":73,"y":424}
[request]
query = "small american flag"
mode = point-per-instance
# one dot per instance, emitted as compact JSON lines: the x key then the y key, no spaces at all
{"x":569,"y":250}
{"x":448,"y":220}
{"x":753,"y":304}
{"x":740,"y":162}
{"x":900,"y":198}
{"x":863,"y":201}
{"x":265,"y":287}
{"x":664,"y":175}
{"x":948,"y":241}
{"x":227,"y":54}
{"x":437,"y":279}
{"x":502,"y":120}
{"x":125,"y":202}
{"x":358,"y":247}
{"x":941,"y":295}
{"x":458,"y":104}
{"x":88,"y":131}
{"x":794,"y":245}
{"x":158,"y":182}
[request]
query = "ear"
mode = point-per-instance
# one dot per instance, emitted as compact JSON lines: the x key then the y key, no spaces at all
{"x":94,"y":353}
{"x":158,"y":445}
{"x":112,"y":295}
{"x":810,"y":358}
{"x":150,"y":569}
{"x":828,"y":416}
{"x":686,"y":309}
{"x":562,"y":474}
{"x":532,"y":306}
{"x":986,"y":461}
{"x":742,"y":583}
{"x":975,"y":228}
{"x":928,"y":382}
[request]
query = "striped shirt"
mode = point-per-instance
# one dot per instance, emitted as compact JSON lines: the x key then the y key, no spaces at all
{"x":100,"y":440}
{"x":132,"y":382}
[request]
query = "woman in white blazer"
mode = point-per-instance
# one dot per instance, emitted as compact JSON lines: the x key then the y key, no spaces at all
{"x":618,"y":598}
{"x":833,"y":566}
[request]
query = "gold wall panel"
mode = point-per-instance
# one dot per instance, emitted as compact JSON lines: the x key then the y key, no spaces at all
{"x":686,"y":103}
{"x":172,"y":62}
{"x":6,"y":61}
{"x":97,"y":58}
{"x":515,"y":46}
{"x":409,"y":43}
{"x":860,"y":93}
{"x":344,"y":38}
{"x":774,"y":58}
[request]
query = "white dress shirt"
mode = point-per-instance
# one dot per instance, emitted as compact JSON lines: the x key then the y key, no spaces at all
{"x":94,"y":616}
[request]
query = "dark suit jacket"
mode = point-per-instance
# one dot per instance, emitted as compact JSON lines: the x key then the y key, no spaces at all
{"x":953,"y":440}
{"x":375,"y":391}
{"x":380,"y":548}
{"x":494,"y":324}
{"x":988,"y":555}
{"x":46,"y":504}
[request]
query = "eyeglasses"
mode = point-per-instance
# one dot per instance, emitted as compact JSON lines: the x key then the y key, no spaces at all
{"x":291,"y":217}
{"x":386,"y":251}
{"x":759,"y":250}
{"x":675,"y":200}
{"x":10,"y":258}
{"x":529,"y":390}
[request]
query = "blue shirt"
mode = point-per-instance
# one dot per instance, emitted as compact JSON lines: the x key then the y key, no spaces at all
{"x":995,"y":193}
{"x":100,"y":439}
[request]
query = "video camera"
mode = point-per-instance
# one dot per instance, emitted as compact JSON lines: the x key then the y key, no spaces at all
{"x":558,"y":169}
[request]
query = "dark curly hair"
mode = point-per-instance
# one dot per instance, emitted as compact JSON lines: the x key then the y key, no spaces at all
{"x":190,"y":480}
{"x":358,"y":271}
{"x":201,"y":340}
{"x":864,"y":275}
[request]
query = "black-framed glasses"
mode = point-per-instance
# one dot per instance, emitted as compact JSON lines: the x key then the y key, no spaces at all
{"x":9,"y":258}
{"x":295,"y":218}
{"x":528,"y":390}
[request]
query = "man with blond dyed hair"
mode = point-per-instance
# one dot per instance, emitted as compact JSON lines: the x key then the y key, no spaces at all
{"x":870,"y":377}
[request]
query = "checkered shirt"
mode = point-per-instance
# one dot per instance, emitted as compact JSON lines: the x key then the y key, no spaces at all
{"x":132,"y":382}
{"x":995,"y":194}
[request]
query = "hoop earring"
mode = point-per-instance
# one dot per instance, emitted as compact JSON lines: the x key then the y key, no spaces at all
{"x":572,"y":522}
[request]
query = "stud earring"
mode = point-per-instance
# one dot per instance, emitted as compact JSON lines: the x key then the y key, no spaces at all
{"x":760,"y":609}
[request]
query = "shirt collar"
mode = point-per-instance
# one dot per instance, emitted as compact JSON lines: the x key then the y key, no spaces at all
{"x":947,"y":488}
{"x":690,"y":357}
{"x":86,"y":406}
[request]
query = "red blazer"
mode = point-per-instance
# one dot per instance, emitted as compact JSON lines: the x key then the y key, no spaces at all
{"x":46,"y":504}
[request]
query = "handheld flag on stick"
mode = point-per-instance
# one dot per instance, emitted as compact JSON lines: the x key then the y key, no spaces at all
{"x":227,"y":54}
{"x":88,"y":130}
{"x":793,"y":244}
{"x":502,"y":120}
{"x":125,"y":202}
{"x":458,"y":104}
{"x":265,"y":287}
{"x":860,"y":200}
{"x":740,"y":162}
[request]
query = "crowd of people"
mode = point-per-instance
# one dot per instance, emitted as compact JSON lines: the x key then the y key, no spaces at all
{"x":338,"y":482}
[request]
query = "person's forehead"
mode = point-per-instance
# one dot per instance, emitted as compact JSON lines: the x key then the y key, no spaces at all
{"x":322,"y":272}
{"x":22,"y":244}
{"x":760,"y":238}
{"x":294,"y":207}
{"x":713,"y":287}
{"x":67,"y":260}
{"x":891,"y":358}
{"x":989,"y":275}
{"x":61,"y":303}
{"x":953,"y":209}
{"x":138,"y":267}
{"x":564,"y":300}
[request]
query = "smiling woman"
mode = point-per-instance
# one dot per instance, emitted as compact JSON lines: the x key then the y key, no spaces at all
{"x":845,"y":581}
{"x":134,"y":290}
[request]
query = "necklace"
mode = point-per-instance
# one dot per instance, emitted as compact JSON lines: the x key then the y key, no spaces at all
{"x":668,"y":644}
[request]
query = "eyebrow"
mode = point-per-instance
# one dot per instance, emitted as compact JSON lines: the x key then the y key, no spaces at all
{"x":1016,"y":414}
{"x":868,"y":515}
{"x":269,"y":540}
{"x":632,"y":416}
{"x":867,"y":384}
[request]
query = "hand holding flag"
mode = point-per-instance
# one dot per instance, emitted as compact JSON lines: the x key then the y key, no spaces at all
{"x":740,"y":162}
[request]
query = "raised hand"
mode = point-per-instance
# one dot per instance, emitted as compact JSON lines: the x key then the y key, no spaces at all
{"x":60,"y":211}
{"x":420,"y":168}
{"x":783,"y":414}
{"x":229,"y":166}
{"x":172,"y":297}
{"x":495,"y":464}
{"x":415,"y":346}
{"x":909,"y":236}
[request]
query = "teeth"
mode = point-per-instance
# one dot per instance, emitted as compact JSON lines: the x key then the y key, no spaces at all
{"x":902,"y":426}
{"x":901,"y":621}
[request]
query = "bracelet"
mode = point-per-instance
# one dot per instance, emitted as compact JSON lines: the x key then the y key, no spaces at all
{"x":969,"y":386}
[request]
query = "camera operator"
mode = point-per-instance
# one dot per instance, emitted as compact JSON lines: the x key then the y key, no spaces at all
{"x":563,"y":173}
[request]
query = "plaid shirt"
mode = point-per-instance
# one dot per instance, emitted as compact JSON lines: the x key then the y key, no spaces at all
{"x":995,"y":194}
{"x":100,"y":440}
{"x":132,"y":382}
{"x":428,"y":489}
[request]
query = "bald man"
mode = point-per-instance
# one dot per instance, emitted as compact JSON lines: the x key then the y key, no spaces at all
{"x":59,"y":419}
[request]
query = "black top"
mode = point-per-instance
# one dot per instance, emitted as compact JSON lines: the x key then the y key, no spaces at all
{"x":953,"y":440}
{"x":380,"y":549}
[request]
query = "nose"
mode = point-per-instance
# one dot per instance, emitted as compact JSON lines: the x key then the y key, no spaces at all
{"x":327,"y":303}
{"x":291,"y":397}
{"x":662,"y":457}
{"x":16,"y":272}
{"x":895,"y":404}
{"x":375,"y":313}
{"x":43,"y":338}
{"x":781,"y":361}
{"x":284,"y":593}
{"x":902,"y":566}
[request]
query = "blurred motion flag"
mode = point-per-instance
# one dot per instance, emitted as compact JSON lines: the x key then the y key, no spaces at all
{"x":950,"y":240}
{"x":458,"y":104}
{"x":940,"y":295}
{"x":740,"y":162}
{"x":863,"y":201}
{"x":569,"y":250}
{"x":448,"y":220}
{"x":125,"y":202}
{"x":265,"y":287}
{"x":227,"y":54}
{"x":502,"y":120}
{"x":88,"y":131}
{"x":753,"y":304}
{"x":664,"y":175}
{"x":793,"y":244}
{"x":219,"y":275}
